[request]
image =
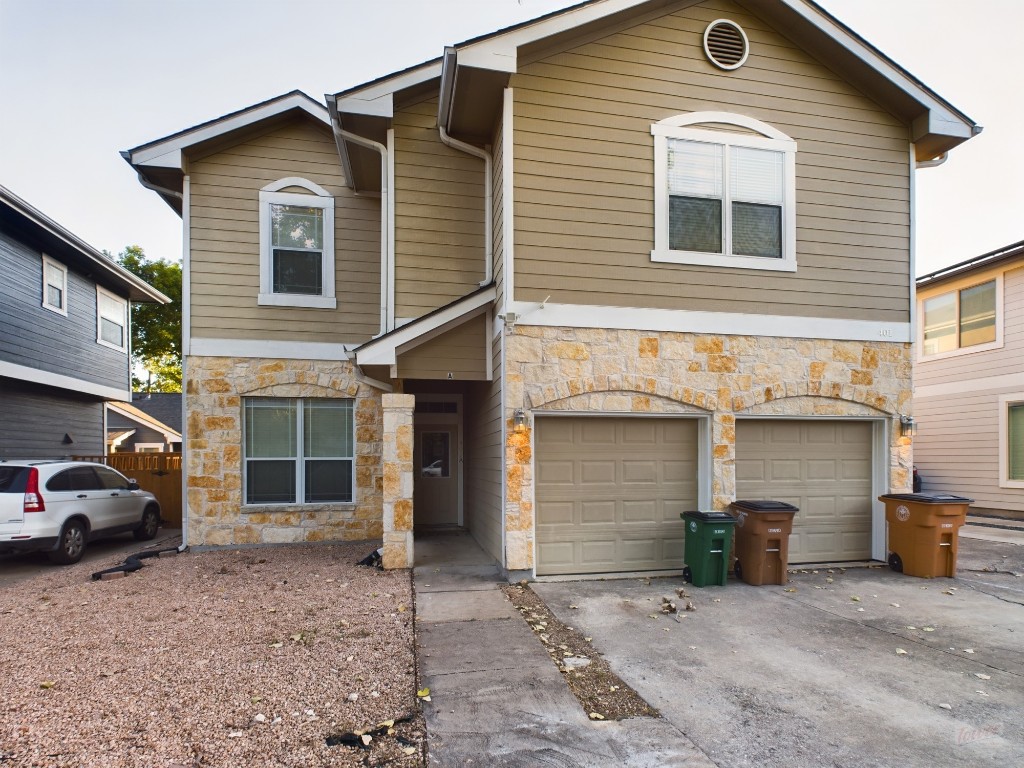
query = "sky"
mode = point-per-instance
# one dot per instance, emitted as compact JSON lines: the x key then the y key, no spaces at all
{"x":81,"y":80}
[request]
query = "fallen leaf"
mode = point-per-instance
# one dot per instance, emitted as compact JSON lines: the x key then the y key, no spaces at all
{"x":855,"y":598}
{"x":588,"y":639}
{"x":968,"y":650}
{"x":928,"y":629}
{"x":789,"y":589}
{"x":596,"y":716}
{"x":277,"y":645}
{"x":911,"y":627}
{"x":573,"y":607}
{"x":366,"y":739}
{"x":829,"y":580}
{"x":409,"y":750}
{"x":895,"y":605}
{"x":945,"y":706}
{"x":982,"y":676}
{"x":297,"y":637}
{"x":423,"y":692}
{"x":716,"y":600}
{"x":861,"y":610}
{"x":386,"y":724}
{"x":401,"y":609}
{"x":900,"y":652}
{"x":47,"y":684}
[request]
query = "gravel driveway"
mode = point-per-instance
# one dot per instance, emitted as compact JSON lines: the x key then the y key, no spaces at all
{"x":229,"y":658}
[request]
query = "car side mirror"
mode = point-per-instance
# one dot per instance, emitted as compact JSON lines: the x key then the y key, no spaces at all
{"x":133,"y":485}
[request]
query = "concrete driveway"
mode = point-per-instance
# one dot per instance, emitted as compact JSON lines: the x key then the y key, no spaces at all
{"x":815,"y":676}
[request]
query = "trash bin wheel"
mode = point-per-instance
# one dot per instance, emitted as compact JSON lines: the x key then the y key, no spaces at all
{"x":896,"y":562}
{"x":687,"y":575}
{"x":738,"y":570}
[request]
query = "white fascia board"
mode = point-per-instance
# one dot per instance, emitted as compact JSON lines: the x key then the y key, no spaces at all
{"x":282,"y":350}
{"x":377,"y":100}
{"x":141,"y":417}
{"x":384,"y":351}
{"x":36,"y":376}
{"x":500,"y":52}
{"x":162,"y":153}
{"x":726,"y":323}
{"x":942,"y":119}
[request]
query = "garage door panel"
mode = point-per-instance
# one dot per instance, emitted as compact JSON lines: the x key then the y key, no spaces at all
{"x":822,"y":467}
{"x":632,"y":477}
{"x":557,"y":473}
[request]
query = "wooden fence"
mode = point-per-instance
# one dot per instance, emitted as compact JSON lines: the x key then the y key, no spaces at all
{"x":158,"y":473}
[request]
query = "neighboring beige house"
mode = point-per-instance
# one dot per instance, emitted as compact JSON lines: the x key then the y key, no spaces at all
{"x":558,"y":286}
{"x":969,"y":379}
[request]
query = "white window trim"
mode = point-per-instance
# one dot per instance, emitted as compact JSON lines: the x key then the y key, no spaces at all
{"x":320,"y":198}
{"x":99,"y":319}
{"x":300,"y":459}
{"x":48,"y":261}
{"x":956,"y":287}
{"x":771,"y":138}
{"x":160,"y":447}
{"x":1005,"y":401}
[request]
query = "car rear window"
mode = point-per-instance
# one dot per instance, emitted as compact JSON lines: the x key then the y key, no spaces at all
{"x":12,"y":479}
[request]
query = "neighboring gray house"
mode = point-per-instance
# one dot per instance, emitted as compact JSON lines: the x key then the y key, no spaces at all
{"x":150,"y":424}
{"x":64,"y":349}
{"x":969,"y":379}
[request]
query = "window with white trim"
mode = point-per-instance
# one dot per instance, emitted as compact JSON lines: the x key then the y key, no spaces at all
{"x":724,"y":199}
{"x":1011,"y":440}
{"x":299,"y":450}
{"x":111,"y":320}
{"x":55,"y":286}
{"x":962,"y":319}
{"x":296,"y":245}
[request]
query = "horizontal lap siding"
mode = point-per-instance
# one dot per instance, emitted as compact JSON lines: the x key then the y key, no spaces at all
{"x":459,"y":353}
{"x":439,"y":216}
{"x":975,"y":365}
{"x":484,"y":452}
{"x":36,"y":418}
{"x":225,"y":242}
{"x":38,"y":338}
{"x":584,"y":180}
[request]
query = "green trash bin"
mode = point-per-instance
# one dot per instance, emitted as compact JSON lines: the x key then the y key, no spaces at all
{"x":706,"y":552}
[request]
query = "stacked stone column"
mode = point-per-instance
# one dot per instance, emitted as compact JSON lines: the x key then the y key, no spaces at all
{"x":398,"y":480}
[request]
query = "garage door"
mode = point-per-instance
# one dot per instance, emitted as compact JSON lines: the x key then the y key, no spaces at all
{"x":822,"y":467}
{"x":609,"y":492}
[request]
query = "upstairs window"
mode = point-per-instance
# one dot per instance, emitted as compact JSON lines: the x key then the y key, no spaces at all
{"x":1011,"y":440}
{"x":964,"y":319}
{"x":111,"y":320}
{"x":724,"y":199}
{"x":55,"y":286}
{"x":296,"y":246}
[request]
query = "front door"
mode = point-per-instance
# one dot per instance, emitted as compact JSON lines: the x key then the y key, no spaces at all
{"x":437,"y":465}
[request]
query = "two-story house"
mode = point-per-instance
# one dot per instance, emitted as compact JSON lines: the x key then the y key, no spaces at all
{"x":969,"y":379}
{"x":558,"y":286}
{"x":64,"y":335}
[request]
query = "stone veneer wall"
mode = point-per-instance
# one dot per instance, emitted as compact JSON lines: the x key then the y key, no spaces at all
{"x":214,"y":388}
{"x":583,"y":369}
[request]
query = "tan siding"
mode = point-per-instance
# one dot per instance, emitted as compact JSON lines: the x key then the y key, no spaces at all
{"x":584,"y":181}
{"x":973,"y":365}
{"x":484,"y":467}
{"x":460,"y":352}
{"x":439,"y":217}
{"x":498,"y":213}
{"x":225,"y":242}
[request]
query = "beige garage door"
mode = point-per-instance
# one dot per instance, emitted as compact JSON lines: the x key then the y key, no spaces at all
{"x":822,"y":467}
{"x":609,"y":492}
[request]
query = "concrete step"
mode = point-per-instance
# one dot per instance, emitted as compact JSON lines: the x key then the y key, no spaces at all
{"x":995,"y":522}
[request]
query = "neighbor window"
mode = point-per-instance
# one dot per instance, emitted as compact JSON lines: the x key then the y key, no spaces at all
{"x":111,"y":320}
{"x":1011,"y":440}
{"x":960,"y":319}
{"x":298,"y":451}
{"x":55,"y":285}
{"x":296,"y":245}
{"x":721,"y":198}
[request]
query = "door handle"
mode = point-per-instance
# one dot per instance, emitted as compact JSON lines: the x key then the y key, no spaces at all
{"x":83,"y":496}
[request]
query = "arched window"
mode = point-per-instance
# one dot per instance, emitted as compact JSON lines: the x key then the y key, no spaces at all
{"x":724,"y":198}
{"x":297,"y":245}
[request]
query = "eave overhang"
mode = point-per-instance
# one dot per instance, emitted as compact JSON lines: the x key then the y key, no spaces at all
{"x":162,"y":164}
{"x":384,"y":350}
{"x":999,"y":257}
{"x":50,"y":237}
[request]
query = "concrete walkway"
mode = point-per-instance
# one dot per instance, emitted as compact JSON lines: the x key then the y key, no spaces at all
{"x":496,"y":698}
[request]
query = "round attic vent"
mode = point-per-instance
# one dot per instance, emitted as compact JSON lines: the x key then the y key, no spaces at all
{"x":726,"y":44}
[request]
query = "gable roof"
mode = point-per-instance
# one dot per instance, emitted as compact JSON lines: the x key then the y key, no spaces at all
{"x":163,"y":406}
{"x":160,"y":163}
{"x":18,"y":216}
{"x":1002,"y":255}
{"x":132,"y":413}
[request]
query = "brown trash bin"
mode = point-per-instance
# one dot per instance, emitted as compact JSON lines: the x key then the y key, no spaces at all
{"x":924,"y":532}
{"x":762,"y":540}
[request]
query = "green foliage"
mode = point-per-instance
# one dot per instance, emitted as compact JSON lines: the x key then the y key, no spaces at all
{"x":156,"y":328}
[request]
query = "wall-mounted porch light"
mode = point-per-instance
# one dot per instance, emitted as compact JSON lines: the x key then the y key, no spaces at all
{"x":908,"y":427}
{"x":519,"y":420}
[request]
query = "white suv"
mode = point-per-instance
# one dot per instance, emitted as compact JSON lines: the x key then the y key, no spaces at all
{"x":58,"y":506}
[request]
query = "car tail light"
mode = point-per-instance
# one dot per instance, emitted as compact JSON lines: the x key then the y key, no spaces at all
{"x":33,"y":500}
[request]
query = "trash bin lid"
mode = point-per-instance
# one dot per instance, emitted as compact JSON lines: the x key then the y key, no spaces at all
{"x":764,"y":505}
{"x":928,"y":497}
{"x":710,"y":516}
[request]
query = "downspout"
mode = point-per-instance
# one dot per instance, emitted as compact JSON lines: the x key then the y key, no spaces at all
{"x":488,"y":195}
{"x":341,"y":135}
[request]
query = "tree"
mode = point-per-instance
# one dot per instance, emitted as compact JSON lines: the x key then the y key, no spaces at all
{"x":156,"y":328}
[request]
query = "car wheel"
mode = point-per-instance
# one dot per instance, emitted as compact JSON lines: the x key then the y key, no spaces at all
{"x":70,"y":544}
{"x":738,"y":570}
{"x":896,"y":562}
{"x":688,"y":575}
{"x":150,"y":522}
